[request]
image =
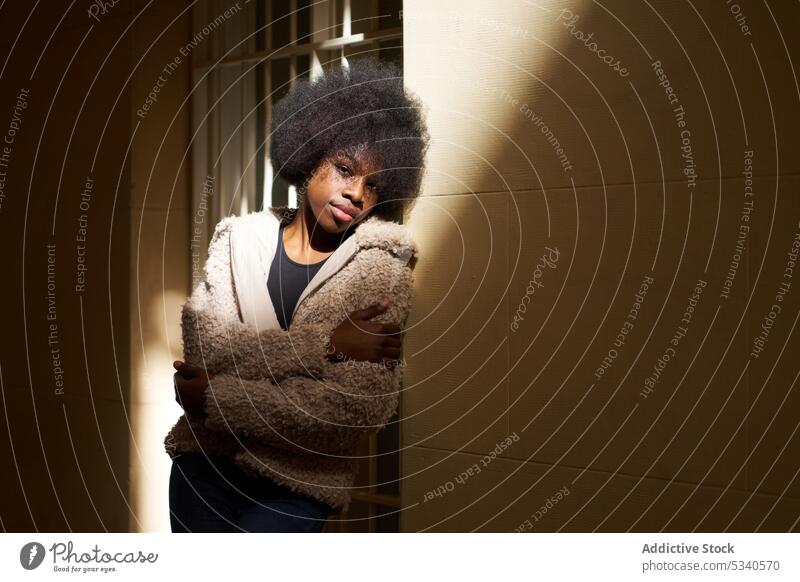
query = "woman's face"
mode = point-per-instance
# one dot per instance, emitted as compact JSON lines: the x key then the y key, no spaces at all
{"x":343,"y":189}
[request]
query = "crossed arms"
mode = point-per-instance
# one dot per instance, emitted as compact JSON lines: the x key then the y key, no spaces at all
{"x":279,"y":387}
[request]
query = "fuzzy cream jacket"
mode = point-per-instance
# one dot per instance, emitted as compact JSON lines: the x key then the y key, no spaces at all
{"x":276,"y":404}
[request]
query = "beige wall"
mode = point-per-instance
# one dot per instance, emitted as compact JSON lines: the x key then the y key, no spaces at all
{"x":713,"y":447}
{"x":705,"y":448}
{"x":91,"y":458}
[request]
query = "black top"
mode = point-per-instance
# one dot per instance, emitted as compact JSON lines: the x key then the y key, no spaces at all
{"x":286,"y":281}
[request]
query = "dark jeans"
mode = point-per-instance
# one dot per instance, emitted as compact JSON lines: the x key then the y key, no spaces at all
{"x":209,"y":493}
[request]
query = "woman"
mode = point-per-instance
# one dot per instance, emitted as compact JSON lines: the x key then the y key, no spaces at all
{"x":292,"y":341}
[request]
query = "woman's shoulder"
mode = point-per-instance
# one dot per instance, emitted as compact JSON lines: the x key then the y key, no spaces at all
{"x":255,"y":218}
{"x":390,"y":236}
{"x":256,"y":223}
{"x":225,"y":225}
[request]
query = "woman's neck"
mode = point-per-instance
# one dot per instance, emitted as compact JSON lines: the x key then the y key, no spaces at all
{"x":307,"y":239}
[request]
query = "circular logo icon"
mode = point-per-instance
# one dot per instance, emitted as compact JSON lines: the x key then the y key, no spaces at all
{"x":31,"y":555}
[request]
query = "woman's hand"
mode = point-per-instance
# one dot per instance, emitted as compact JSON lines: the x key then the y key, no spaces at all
{"x":190,"y":386}
{"x":357,"y":338}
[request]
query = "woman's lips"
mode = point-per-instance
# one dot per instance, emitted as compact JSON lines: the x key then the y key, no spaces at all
{"x":341,"y":214}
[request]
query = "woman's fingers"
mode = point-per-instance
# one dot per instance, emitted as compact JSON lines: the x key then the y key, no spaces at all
{"x":181,"y":367}
{"x":180,"y":386}
{"x":183,"y":384}
{"x":189,"y":372}
{"x":391,"y":342}
{"x":391,"y":352}
{"x":189,"y":394}
{"x":369,"y":312}
{"x":180,"y":383}
{"x":391,"y":329}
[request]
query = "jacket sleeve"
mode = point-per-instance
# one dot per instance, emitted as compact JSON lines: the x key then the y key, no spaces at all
{"x":222,"y":346}
{"x":328,"y":413}
{"x":215,"y":338}
{"x":316,"y":415}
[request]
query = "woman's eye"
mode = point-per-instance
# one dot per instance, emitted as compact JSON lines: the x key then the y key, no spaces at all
{"x":344,"y":169}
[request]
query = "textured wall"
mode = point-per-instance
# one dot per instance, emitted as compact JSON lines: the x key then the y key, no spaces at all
{"x":85,"y":370}
{"x":606,"y":225}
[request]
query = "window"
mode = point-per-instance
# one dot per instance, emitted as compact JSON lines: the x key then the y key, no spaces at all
{"x":245,"y":58}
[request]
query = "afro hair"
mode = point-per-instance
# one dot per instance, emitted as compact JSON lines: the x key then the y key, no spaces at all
{"x":364,"y":107}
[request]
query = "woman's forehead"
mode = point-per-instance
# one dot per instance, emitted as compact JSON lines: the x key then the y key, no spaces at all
{"x":364,"y":160}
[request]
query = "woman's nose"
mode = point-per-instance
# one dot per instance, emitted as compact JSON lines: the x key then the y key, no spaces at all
{"x":356,"y":189}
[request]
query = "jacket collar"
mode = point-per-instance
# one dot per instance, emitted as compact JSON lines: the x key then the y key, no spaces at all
{"x":254,"y":242}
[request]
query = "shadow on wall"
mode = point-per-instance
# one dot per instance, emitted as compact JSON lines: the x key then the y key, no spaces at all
{"x":86,"y":201}
{"x":582,"y":351}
